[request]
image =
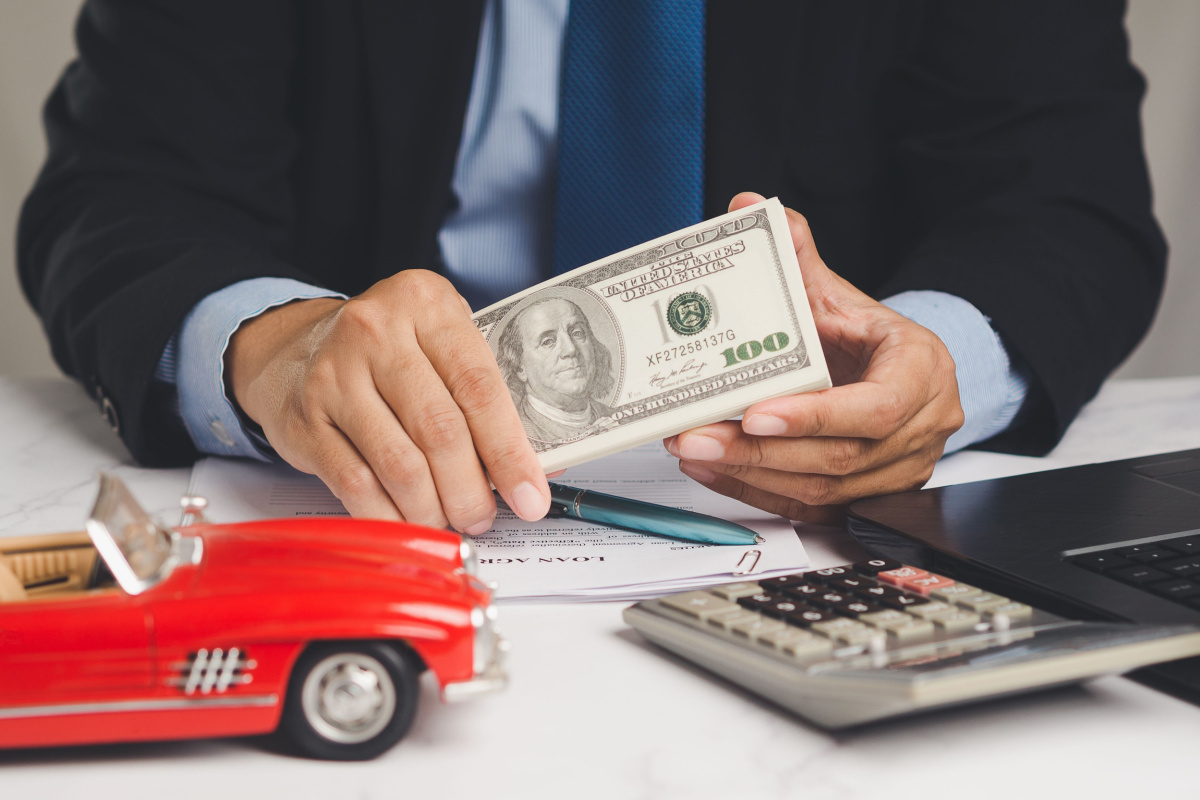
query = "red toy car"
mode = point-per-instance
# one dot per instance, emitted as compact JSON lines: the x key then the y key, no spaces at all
{"x":317,"y":628}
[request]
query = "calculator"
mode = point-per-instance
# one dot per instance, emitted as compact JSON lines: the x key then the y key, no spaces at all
{"x":853,"y":644}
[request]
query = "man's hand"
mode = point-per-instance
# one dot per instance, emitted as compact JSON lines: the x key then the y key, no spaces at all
{"x":393,"y":399}
{"x":880,"y":429}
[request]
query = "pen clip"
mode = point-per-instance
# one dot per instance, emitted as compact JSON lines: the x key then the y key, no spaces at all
{"x":748,"y":562}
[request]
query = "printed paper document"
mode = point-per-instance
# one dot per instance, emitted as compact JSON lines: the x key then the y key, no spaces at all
{"x":554,"y":559}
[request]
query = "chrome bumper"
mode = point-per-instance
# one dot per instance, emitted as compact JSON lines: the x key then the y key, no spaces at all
{"x":492,"y":679}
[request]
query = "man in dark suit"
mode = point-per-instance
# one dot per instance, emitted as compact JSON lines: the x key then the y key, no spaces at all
{"x":977,"y":165}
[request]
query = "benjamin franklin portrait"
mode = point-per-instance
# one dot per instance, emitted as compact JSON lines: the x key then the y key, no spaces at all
{"x":557,"y":371}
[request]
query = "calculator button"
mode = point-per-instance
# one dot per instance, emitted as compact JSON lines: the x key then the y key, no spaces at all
{"x":732,"y":591}
{"x":804,"y":590}
{"x":813,"y":648}
{"x":876,"y":566}
{"x":918,"y":630}
{"x":888,"y":618}
{"x":697,"y":604}
{"x":725,"y":620}
{"x":829,"y":599}
{"x":844,"y":630}
{"x":779,"y":581}
{"x":828,"y":574}
{"x":895,"y":576}
{"x":879,"y":591}
{"x":807,"y":617}
{"x":852,"y":583}
{"x":951,"y":593}
{"x":981,"y":601}
{"x":779,"y":638}
{"x":856,"y":607}
{"x":1138,"y":574}
{"x":1016,"y":612}
{"x":932,"y":609}
{"x":753,"y":628}
{"x":756,"y":601}
{"x":926,"y":583}
{"x":956,"y":622}
{"x":903,"y":601}
{"x":781,"y":608}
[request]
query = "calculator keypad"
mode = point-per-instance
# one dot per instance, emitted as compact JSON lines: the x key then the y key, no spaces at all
{"x":816,"y":615}
{"x":847,"y":645}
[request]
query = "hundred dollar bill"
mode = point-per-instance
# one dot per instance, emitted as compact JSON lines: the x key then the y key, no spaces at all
{"x":682,"y":331}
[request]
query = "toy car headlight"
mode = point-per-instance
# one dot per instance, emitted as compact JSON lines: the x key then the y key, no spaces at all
{"x":486,"y":641}
{"x":470,"y":561}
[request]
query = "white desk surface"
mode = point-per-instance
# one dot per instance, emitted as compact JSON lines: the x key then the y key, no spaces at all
{"x":594,"y":712}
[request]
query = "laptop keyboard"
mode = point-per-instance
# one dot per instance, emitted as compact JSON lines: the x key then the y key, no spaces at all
{"x":1169,"y":568}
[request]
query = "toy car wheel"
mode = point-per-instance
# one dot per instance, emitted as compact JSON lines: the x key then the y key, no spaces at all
{"x":350,"y":701}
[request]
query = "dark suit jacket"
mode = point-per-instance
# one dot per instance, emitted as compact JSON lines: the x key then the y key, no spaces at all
{"x":990,"y":150}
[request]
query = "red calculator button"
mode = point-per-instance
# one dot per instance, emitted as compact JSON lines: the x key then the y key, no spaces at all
{"x":895,"y":576}
{"x":925,"y":584}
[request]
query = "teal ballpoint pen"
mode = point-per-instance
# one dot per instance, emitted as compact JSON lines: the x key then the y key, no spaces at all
{"x":634,"y":515}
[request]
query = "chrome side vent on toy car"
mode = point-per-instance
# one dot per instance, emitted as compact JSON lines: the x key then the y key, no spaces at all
{"x":208,"y":671}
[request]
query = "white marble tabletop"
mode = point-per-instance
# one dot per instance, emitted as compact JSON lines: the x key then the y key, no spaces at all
{"x":594,"y":712}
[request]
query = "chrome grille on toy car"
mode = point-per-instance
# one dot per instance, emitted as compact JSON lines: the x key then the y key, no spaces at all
{"x":208,"y":671}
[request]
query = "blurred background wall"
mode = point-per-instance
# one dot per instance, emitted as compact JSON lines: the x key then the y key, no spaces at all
{"x":35,"y":44}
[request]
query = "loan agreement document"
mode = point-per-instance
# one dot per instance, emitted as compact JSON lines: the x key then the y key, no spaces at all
{"x":554,"y":559}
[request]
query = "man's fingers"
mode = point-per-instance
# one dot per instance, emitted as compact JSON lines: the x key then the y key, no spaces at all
{"x":787,"y":507}
{"x":466,"y":366}
{"x":726,"y":443}
{"x":342,"y":468}
{"x":744,"y":199}
{"x":434,"y":422}
{"x":866,"y":410}
{"x":398,"y":464}
{"x":392,"y":398}
{"x":812,"y":268}
{"x":820,"y":490}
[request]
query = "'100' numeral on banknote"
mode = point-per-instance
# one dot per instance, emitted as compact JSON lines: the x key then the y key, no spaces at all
{"x":681,"y":331}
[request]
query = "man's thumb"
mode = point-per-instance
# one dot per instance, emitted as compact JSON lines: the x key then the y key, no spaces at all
{"x":817,"y":276}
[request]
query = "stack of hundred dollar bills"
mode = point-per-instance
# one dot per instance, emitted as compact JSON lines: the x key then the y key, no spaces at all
{"x":682,"y":331}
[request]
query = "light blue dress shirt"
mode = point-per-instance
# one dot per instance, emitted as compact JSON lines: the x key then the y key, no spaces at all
{"x":498,"y":242}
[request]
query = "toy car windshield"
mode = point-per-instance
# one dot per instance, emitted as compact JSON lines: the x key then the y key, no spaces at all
{"x":138,"y":552}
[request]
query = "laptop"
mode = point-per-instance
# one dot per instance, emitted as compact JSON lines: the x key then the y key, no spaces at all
{"x":1113,"y":541}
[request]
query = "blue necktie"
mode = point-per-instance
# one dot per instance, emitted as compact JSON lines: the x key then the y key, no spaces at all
{"x":631,"y":126}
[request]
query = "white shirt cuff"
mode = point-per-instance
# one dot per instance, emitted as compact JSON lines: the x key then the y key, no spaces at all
{"x":198,"y":353}
{"x":991,"y":387}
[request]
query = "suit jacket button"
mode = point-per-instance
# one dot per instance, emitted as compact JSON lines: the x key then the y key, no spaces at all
{"x":108,"y":411}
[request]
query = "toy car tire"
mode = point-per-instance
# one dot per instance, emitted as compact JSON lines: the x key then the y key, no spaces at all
{"x":350,"y":701}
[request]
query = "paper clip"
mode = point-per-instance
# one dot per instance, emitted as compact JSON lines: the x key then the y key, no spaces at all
{"x":748,"y":562}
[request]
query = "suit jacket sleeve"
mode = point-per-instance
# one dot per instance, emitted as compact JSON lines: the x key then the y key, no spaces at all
{"x":1017,"y":144}
{"x":167,"y":179}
